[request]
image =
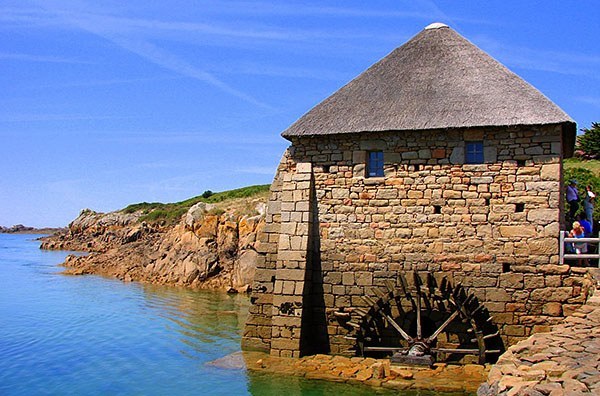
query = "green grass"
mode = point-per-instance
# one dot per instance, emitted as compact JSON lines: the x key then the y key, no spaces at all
{"x":591,"y":165}
{"x":169,"y":213}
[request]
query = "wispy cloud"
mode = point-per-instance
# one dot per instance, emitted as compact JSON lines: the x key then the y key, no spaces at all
{"x":255,"y":68}
{"x":170,"y":61}
{"x":414,"y":9}
{"x":231,"y":139}
{"x":554,"y":62}
{"x":137,"y":35}
{"x":562,"y":62}
{"x":33,"y":117}
{"x":296,"y":9}
{"x":242,"y":33}
{"x":111,"y":29}
{"x":110,"y":82}
{"x":39,"y":58}
{"x":25,"y":17}
{"x":591,"y":100}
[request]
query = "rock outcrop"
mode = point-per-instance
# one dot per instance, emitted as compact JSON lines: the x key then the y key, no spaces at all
{"x":209,"y":248}
{"x":95,"y":232}
{"x":21,"y":229}
{"x":16,"y":228}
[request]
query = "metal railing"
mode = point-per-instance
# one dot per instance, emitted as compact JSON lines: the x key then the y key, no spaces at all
{"x":578,"y":256}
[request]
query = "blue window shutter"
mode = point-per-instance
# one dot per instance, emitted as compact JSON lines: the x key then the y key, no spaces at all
{"x":474,"y":152}
{"x":375,"y":164}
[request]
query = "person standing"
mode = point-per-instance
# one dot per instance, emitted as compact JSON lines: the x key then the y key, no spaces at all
{"x":572,"y":199}
{"x":588,"y":204}
{"x":586,"y":225}
{"x":579,"y":247}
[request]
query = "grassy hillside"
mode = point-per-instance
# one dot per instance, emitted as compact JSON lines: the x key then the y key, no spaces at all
{"x":591,"y":165}
{"x":168,"y":213}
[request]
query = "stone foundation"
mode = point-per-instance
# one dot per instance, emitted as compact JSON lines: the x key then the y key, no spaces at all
{"x":377,"y":373}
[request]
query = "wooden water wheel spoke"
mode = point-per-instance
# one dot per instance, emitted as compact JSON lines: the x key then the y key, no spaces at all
{"x":457,"y":350}
{"x":384,"y":349}
{"x":419,"y":329}
{"x":442,"y":327}
{"x":398,"y":328}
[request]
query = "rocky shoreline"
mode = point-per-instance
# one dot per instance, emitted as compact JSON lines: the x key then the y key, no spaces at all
{"x":208,"y":248}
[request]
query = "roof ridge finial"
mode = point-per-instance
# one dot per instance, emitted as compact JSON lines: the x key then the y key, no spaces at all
{"x":436,"y":25}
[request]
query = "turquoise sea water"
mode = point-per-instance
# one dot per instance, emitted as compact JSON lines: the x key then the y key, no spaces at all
{"x":88,"y":335}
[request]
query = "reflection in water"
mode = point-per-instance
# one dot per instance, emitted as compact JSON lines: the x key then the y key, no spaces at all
{"x":204,"y":319}
{"x":267,"y":385}
{"x":88,"y":335}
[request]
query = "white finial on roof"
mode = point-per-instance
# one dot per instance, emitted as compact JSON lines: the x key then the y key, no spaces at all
{"x":436,"y":25}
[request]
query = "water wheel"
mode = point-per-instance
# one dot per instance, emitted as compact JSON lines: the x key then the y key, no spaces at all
{"x":421,"y":322}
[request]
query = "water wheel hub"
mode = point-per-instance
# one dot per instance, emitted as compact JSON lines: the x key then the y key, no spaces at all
{"x":418,"y":349}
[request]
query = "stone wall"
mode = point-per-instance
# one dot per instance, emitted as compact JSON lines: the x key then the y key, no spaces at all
{"x":492,"y":227}
{"x":258,"y":329}
{"x":562,"y":362}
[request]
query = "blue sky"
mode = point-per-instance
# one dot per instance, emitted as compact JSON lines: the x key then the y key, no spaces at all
{"x":107,"y":103}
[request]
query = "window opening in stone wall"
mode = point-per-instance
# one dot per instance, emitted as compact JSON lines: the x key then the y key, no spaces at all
{"x":437,"y":209}
{"x":487,"y":202}
{"x":505,"y":267}
{"x":375,"y":164}
{"x":326,"y":168}
{"x":521,"y":162}
{"x":474,"y":152}
{"x":519,"y":207}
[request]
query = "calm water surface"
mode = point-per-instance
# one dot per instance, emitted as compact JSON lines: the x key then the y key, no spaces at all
{"x":88,"y":335}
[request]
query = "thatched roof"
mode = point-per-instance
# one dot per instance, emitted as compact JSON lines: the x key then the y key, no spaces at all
{"x":436,"y":80}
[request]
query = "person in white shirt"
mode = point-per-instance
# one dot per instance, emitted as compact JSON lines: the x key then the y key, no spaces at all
{"x":588,"y":204}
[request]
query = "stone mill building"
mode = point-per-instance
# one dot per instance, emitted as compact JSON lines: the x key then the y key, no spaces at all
{"x":417,"y":210}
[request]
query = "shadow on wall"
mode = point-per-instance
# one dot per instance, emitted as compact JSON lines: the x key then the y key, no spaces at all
{"x":315,"y":338}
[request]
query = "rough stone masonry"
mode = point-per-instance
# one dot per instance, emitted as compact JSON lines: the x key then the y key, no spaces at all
{"x":333,"y":234}
{"x":357,"y":232}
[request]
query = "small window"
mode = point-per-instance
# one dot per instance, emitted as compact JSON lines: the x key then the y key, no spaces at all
{"x":474,"y":153}
{"x":375,"y":164}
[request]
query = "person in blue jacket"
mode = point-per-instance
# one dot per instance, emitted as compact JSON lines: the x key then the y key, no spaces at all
{"x":572,"y":199}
